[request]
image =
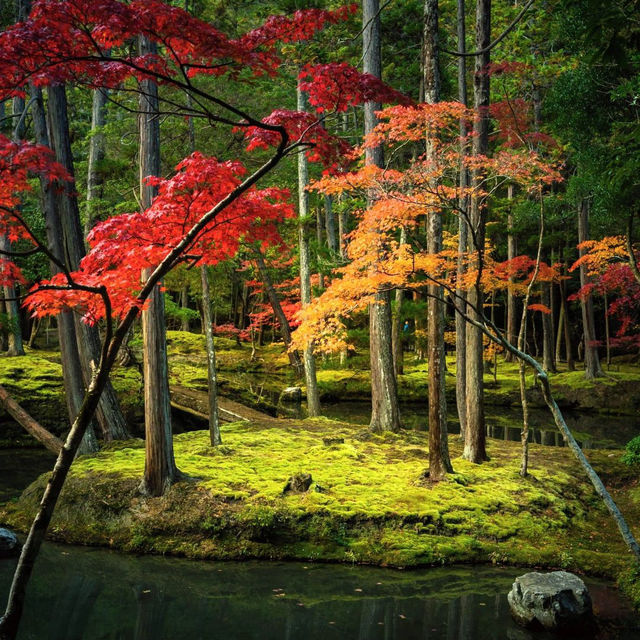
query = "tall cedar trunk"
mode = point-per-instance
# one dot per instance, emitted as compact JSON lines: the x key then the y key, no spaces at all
{"x":320,"y":241}
{"x":14,"y":334}
{"x":439,"y":461}
{"x":396,"y":331}
{"x":95,"y":172}
{"x":330,"y":226}
{"x":385,"y":412}
{"x":511,"y":298}
{"x":274,"y":300}
{"x":110,"y":418}
{"x":313,"y":399}
{"x":184,"y":304}
{"x":159,"y":467}
{"x":461,"y":324}
{"x":71,"y":368}
{"x":548,"y":355}
{"x":567,"y":325}
{"x":475,"y":439}
{"x":214,"y":418}
{"x":592,"y":368}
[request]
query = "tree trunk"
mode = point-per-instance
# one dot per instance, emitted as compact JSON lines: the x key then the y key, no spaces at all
{"x":95,"y":173}
{"x":30,"y":425}
{"x":439,"y":461}
{"x":313,"y":398}
{"x":461,"y":325}
{"x":160,"y":469}
{"x":184,"y":304}
{"x":385,"y":411}
{"x":214,"y":418}
{"x":71,"y":369}
{"x":511,"y":299}
{"x":548,"y":355}
{"x":592,"y":368}
{"x":475,"y":439}
{"x":330,"y":226}
{"x":109,"y":415}
{"x":396,"y":331}
{"x":274,"y":300}
{"x":564,"y":308}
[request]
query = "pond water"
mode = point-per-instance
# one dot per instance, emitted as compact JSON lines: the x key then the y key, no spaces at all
{"x":591,"y":430}
{"x":93,"y":594}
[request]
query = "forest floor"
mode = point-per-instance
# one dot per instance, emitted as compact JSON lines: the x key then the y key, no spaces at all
{"x":369,"y":502}
{"x":35,"y":381}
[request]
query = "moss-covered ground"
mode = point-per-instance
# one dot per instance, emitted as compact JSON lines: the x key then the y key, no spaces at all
{"x":369,"y":502}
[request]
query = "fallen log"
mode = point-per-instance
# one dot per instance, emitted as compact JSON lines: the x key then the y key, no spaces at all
{"x":28,"y":423}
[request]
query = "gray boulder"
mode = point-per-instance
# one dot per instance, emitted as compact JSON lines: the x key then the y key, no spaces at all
{"x":557,"y":601}
{"x":9,"y":545}
{"x":292,"y":395}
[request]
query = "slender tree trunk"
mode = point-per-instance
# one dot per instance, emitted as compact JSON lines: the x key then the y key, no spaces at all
{"x":109,"y":415}
{"x":396,"y":335}
{"x":330,"y":226}
{"x":97,"y":152}
{"x":184,"y":304}
{"x":319,"y":240}
{"x":439,"y":461}
{"x":559,"y":335}
{"x":607,"y":332}
{"x":511,"y":254}
{"x":461,"y":325}
{"x":592,"y":368}
{"x":548,"y":356}
{"x":475,"y":439}
{"x":313,"y":398}
{"x":274,"y":300}
{"x":564,"y":307}
{"x":385,"y":413}
{"x":214,"y":418}
{"x":160,"y":469}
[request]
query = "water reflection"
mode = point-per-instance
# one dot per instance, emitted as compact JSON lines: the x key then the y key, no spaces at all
{"x":79,"y":594}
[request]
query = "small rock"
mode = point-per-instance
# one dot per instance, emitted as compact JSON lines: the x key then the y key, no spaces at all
{"x":319,"y":489}
{"x":556,"y":601}
{"x":298,"y":483}
{"x":9,"y":545}
{"x":291,"y":394}
{"x":330,"y":441}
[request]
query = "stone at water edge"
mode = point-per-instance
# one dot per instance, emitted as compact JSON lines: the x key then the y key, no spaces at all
{"x":291,"y":394}
{"x":555,"y":601}
{"x":9,"y":545}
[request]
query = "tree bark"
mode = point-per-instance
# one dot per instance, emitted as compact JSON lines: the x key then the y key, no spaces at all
{"x":475,"y":439}
{"x":214,"y":418}
{"x":592,"y":368}
{"x":160,"y":469}
{"x":30,"y":425}
{"x":313,"y":398}
{"x":274,"y":300}
{"x":439,"y":461}
{"x":184,"y":304}
{"x":461,"y":325}
{"x":330,"y":226}
{"x":548,"y":355}
{"x":95,"y":173}
{"x":511,"y":299}
{"x":110,"y":418}
{"x":385,"y":411}
{"x":396,"y":331}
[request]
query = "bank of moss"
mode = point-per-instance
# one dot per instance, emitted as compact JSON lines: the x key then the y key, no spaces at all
{"x":369,"y":502}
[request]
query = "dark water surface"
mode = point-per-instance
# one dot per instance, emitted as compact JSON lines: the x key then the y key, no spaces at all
{"x":81,"y":593}
{"x":591,"y":430}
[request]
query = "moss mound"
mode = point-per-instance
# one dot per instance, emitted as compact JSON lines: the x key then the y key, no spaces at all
{"x":367,"y":504}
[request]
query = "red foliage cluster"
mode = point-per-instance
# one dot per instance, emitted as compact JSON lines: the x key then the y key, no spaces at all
{"x":122,"y":246}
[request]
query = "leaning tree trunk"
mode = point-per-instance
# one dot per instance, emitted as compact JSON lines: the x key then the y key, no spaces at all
{"x":160,"y":469}
{"x":592,"y":368}
{"x":460,"y":293}
{"x":385,"y":411}
{"x":110,"y":418}
{"x":475,"y":438}
{"x":313,"y":398}
{"x":439,"y":461}
{"x":274,"y":300}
